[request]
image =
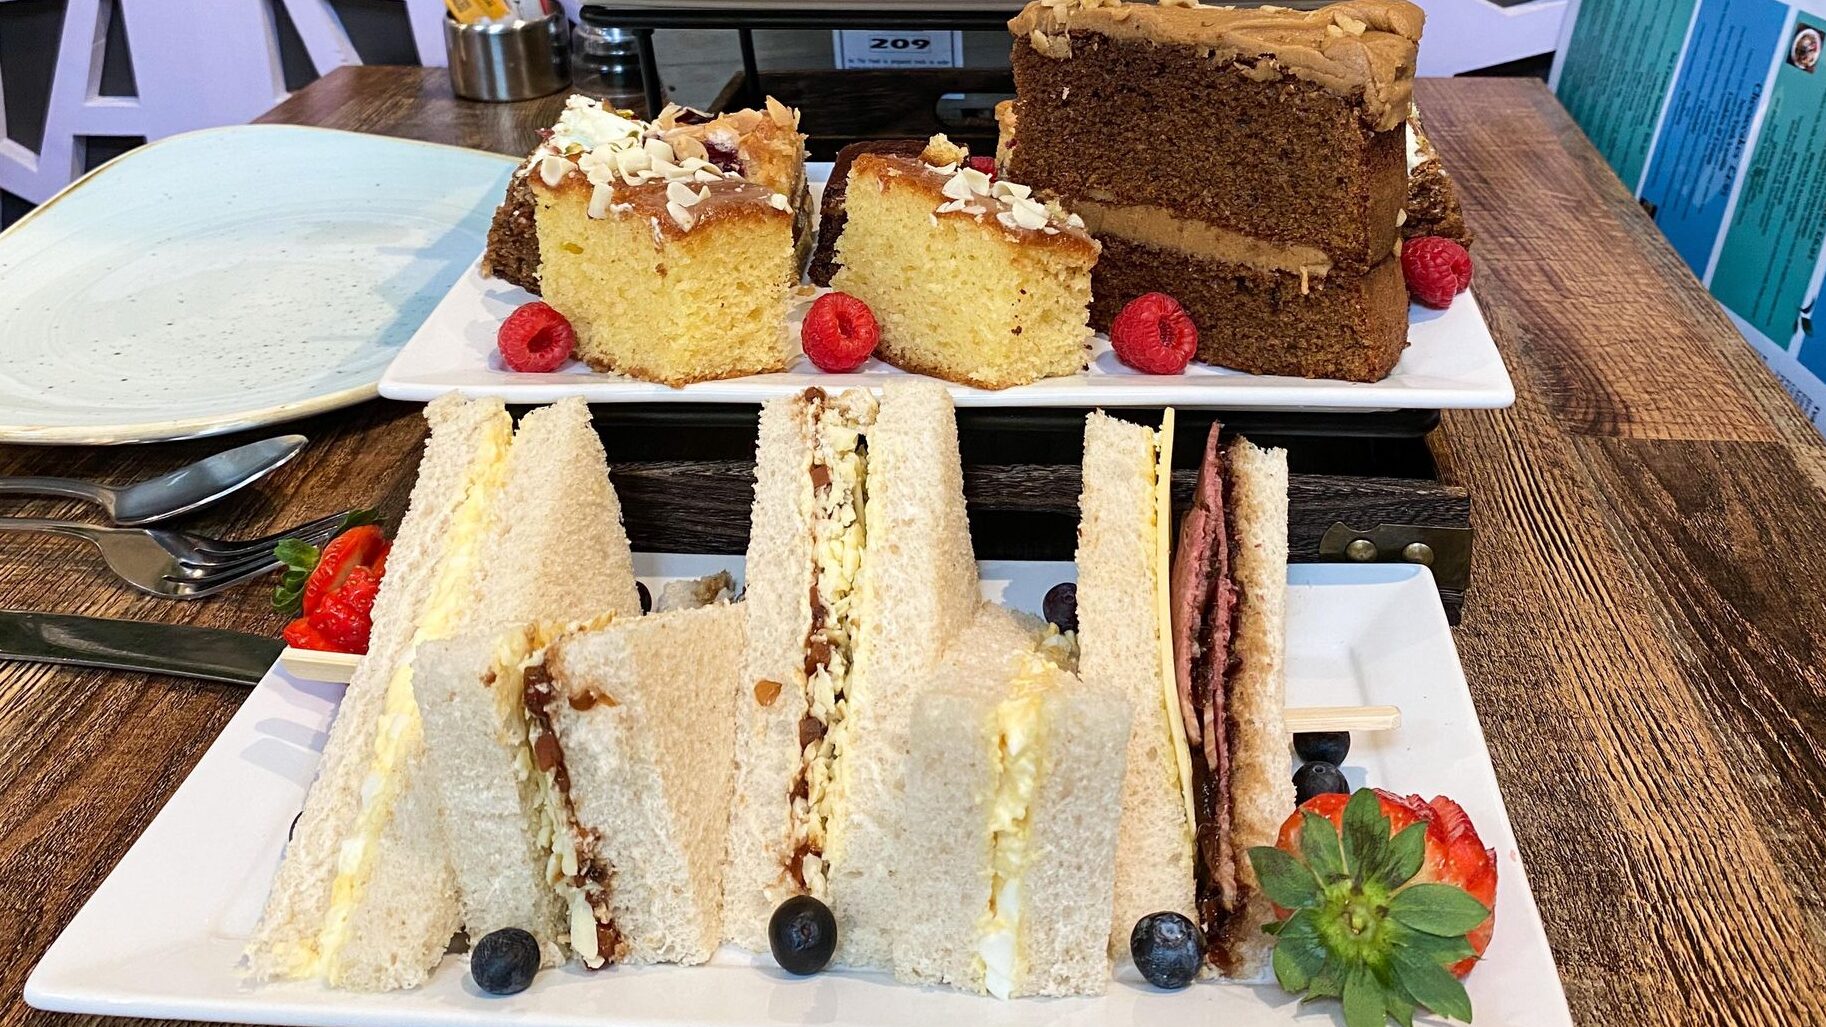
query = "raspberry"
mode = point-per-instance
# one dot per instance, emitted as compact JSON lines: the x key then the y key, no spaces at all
{"x":1436,"y":269}
{"x":535,"y":338}
{"x":984,"y":164}
{"x":839,"y":332}
{"x":1154,"y":334}
{"x":344,"y":617}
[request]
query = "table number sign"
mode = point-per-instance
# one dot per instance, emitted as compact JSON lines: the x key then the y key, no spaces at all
{"x":868,"y":48}
{"x":1713,"y":112}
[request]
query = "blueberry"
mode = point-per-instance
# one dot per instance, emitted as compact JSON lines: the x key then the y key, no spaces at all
{"x":802,"y":934}
{"x":646,"y":597}
{"x":1061,"y":606}
{"x":1322,"y":746}
{"x":505,"y":961}
{"x":1168,"y":949}
{"x":1318,"y":778}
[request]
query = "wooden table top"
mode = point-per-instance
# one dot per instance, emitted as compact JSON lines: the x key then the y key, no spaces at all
{"x":1645,"y":640}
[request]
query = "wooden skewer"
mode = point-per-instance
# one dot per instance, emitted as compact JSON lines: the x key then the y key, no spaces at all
{"x":1343,"y":718}
{"x":311,"y":665}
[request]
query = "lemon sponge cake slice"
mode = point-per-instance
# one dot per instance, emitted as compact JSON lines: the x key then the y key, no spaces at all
{"x":970,"y":279}
{"x":669,"y":267}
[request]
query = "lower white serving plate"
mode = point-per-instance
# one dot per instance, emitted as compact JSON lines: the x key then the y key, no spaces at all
{"x":1451,"y":363}
{"x":162,"y":935}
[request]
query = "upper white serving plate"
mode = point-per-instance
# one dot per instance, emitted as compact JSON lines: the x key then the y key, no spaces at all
{"x":230,"y":278}
{"x":162,"y":935}
{"x":1451,"y":363}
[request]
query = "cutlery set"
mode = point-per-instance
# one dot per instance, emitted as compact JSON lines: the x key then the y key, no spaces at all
{"x":161,"y":561}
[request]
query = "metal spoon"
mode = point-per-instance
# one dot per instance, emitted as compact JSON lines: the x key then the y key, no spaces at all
{"x":185,"y":489}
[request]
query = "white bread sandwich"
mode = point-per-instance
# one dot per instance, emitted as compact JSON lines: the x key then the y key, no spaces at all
{"x":1125,"y":643}
{"x":859,"y":571}
{"x":1229,"y":591}
{"x":365,"y":898}
{"x":639,"y":757}
{"x":544,"y":563}
{"x":1197,"y":643}
{"x":1014,"y":795}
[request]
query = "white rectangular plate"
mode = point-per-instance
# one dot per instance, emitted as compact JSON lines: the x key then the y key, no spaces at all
{"x":1451,"y":363}
{"x":161,"y":936}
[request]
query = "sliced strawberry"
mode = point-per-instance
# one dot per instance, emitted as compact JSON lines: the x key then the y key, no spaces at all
{"x":300,"y":634}
{"x":358,"y":547}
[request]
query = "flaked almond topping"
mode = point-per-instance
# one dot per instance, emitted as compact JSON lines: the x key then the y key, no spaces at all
{"x":1179,"y":3}
{"x":681,"y":194}
{"x":1003,"y":189}
{"x":1349,"y":24}
{"x":976,"y":180}
{"x":552,"y":169}
{"x":707,"y":175}
{"x":659,"y":150}
{"x":765,"y":691}
{"x":680,"y":216}
{"x":667,"y":170}
{"x":949,"y":206}
{"x":783,"y":116}
{"x":778,"y":200}
{"x":601,"y":198}
{"x":689,"y":148}
{"x":632,"y":161}
{"x":957,"y":188}
{"x":1027,"y":213}
{"x":942,"y":169}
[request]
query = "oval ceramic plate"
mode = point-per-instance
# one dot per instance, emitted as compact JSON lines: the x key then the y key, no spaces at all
{"x":230,"y":278}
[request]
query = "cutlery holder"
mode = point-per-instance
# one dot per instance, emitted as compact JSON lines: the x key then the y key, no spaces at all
{"x":506,"y":61}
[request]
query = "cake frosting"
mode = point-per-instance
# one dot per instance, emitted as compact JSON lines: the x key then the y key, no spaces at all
{"x":1358,"y":46}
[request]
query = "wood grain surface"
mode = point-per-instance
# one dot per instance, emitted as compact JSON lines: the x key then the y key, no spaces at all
{"x":1645,"y":644}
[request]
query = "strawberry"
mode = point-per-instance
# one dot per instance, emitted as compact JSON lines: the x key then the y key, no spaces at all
{"x":357,"y":547}
{"x":310,"y":573}
{"x":1385,"y":901}
{"x":299,"y":634}
{"x":839,"y":332}
{"x":343,"y":618}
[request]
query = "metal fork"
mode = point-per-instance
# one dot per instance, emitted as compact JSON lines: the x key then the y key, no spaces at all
{"x":179,"y":564}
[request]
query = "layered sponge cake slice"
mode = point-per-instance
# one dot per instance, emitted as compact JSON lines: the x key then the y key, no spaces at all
{"x":970,"y":278}
{"x":1248,"y":162}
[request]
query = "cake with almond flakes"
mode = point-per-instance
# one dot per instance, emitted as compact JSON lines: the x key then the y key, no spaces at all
{"x":1250,"y":163}
{"x":970,"y":278}
{"x":763,"y":146}
{"x":670,"y":266}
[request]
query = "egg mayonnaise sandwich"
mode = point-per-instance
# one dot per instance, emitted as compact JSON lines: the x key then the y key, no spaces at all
{"x":1196,"y":640}
{"x":365,"y":897}
{"x":1009,"y":825}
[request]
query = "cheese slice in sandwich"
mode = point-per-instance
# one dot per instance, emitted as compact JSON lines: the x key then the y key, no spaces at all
{"x":365,"y":897}
{"x":1229,"y":587}
{"x":1009,"y":831}
{"x":549,"y":559}
{"x":634,"y":733}
{"x":1125,"y":643}
{"x":859,"y":571}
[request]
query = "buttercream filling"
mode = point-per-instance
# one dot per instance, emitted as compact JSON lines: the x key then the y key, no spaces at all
{"x":1161,"y":228}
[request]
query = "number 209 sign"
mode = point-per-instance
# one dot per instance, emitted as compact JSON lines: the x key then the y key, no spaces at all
{"x":865,"y":48}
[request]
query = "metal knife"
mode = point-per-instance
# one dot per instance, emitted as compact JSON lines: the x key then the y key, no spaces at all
{"x":212,"y":654}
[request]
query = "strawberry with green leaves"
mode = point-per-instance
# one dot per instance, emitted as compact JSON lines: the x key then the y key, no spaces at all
{"x":333,"y":588}
{"x":1386,"y":901}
